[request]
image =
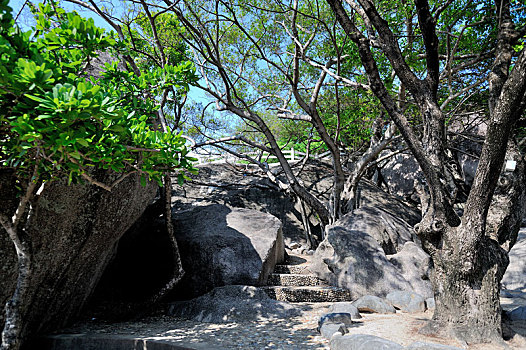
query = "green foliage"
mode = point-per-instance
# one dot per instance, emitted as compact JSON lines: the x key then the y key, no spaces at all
{"x":58,"y":119}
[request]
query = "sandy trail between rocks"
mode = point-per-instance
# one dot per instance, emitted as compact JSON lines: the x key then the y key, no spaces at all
{"x":296,"y":333}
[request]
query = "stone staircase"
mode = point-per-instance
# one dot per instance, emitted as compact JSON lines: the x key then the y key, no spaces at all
{"x":294,"y":282}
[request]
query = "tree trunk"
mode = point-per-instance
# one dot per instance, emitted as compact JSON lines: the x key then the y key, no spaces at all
{"x":467,"y":297}
{"x":467,"y":304}
{"x":14,"y":309}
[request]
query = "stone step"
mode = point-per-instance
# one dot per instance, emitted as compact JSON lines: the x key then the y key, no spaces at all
{"x":308,"y":294}
{"x":293,"y":269}
{"x":279,"y":279}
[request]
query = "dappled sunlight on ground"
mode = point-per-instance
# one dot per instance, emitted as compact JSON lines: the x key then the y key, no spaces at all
{"x":294,"y":333}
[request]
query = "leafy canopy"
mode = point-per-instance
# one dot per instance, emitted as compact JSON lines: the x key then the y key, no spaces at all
{"x":60,"y":120}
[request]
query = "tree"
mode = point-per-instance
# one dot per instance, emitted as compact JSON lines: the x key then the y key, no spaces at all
{"x":469,"y":257}
{"x":58,"y":121}
{"x":258,"y":57}
{"x":426,"y":64}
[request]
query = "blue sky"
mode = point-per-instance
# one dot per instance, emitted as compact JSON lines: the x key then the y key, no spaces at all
{"x":25,"y":22}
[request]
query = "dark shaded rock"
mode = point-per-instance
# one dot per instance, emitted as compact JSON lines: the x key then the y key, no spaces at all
{"x":222,"y":246}
{"x":351,"y":258}
{"x":115,"y":342}
{"x":335,"y":318}
{"x":407,"y":301}
{"x":142,"y":265}
{"x":371,"y":303}
{"x":518,"y":314}
{"x":362,"y":342}
{"x":74,"y":230}
{"x":233,"y":303}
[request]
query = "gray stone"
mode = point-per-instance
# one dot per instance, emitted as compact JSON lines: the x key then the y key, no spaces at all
{"x":407,"y":301}
{"x":430,"y":303}
{"x":402,"y":174}
{"x":234,"y":187}
{"x":75,"y":229}
{"x":226,"y":246}
{"x":371,"y":303}
{"x":414,"y":265}
{"x":327,"y":330}
{"x":515,"y":276}
{"x":351,"y":258}
{"x":518,"y":314}
{"x":345,"y":306}
{"x":233,"y":304}
{"x":430,"y":346}
{"x":362,"y":342}
{"x":385,"y":227}
{"x":335,"y":318}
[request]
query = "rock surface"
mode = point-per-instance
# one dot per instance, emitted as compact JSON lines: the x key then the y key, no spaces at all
{"x":335,"y":318}
{"x":327,"y":330}
{"x":74,"y":230}
{"x":351,"y":258}
{"x":414,"y":265}
{"x":430,"y":346}
{"x":515,"y":276}
{"x":407,"y":301}
{"x":348,"y":307}
{"x":235,"y":303}
{"x":430,"y":303}
{"x":518,"y":314}
{"x":235,"y":187}
{"x":401,"y":174}
{"x":362,"y":342}
{"x":371,"y":303}
{"x":225,"y":246}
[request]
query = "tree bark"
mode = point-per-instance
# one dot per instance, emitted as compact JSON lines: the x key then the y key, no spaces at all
{"x":12,"y":334}
{"x":467,"y":304}
{"x":469,"y":260}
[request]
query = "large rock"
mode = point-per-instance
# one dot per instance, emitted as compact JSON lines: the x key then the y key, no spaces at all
{"x":402,"y":175}
{"x":373,"y":304}
{"x":73,"y":231}
{"x":239,"y":187}
{"x":515,"y":276}
{"x":430,"y":346}
{"x":390,"y":231}
{"x":414,"y":265}
{"x":354,"y":255}
{"x":245,"y":187}
{"x":362,"y":342}
{"x":234,"y":303}
{"x":407,"y":301}
{"x":224,"y":246}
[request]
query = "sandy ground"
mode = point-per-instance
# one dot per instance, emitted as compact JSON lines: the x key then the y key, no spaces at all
{"x":297,"y":333}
